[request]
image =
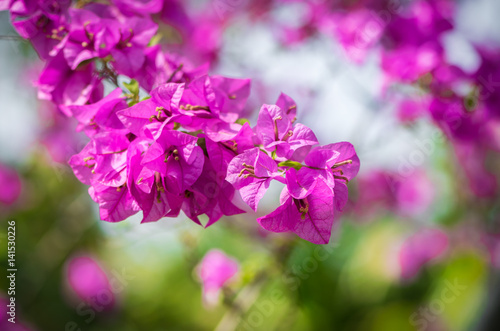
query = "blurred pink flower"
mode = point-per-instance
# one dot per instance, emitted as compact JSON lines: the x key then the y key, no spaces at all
{"x":415,"y":193}
{"x":472,"y":157}
{"x":410,"y":109}
{"x":357,"y":31}
{"x":90,"y":283}
{"x":59,"y":135}
{"x":5,"y":315}
{"x":214,"y":271}
{"x":419,"y":249}
{"x":405,"y":195}
{"x":10,"y":185}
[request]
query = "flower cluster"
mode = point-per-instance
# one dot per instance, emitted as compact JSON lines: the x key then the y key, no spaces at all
{"x":186,"y":148}
{"x":84,"y":45}
{"x":176,"y":139}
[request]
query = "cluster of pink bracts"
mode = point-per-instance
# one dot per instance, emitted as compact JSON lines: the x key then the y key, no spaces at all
{"x":183,"y":145}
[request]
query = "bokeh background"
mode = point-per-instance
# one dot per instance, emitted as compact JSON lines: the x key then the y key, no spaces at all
{"x":417,"y":248}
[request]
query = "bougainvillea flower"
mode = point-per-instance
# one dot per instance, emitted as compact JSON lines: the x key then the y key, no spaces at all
{"x":229,"y":141}
{"x":215,"y":270}
{"x":79,"y":44}
{"x":279,"y":135}
{"x":148,"y":113}
{"x":212,"y":195}
{"x":174,"y":138}
{"x":382,"y":190}
{"x":336,"y":164}
{"x":134,"y":36}
{"x":252,"y":173}
{"x":115,"y":203}
{"x":311,"y":217}
{"x":65,"y":87}
{"x":356,"y":30}
{"x":231,"y":94}
{"x":149,"y":188}
{"x":288,"y":105}
{"x":89,"y":282}
{"x":142,"y":7}
{"x":34,"y":28}
{"x":213,"y":98}
{"x":10,"y":185}
{"x":5,"y":315}
{"x":176,"y":156}
{"x":101,"y":114}
{"x":410,"y":109}
{"x":104,"y":159}
{"x":420,"y":249}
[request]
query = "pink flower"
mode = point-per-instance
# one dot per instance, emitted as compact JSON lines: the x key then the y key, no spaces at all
{"x":10,"y":185}
{"x":384,"y":190}
{"x":214,"y":271}
{"x":420,"y":249}
{"x":90,"y":283}
{"x":411,"y":109}
{"x":7,"y":313}
{"x":310,"y":217}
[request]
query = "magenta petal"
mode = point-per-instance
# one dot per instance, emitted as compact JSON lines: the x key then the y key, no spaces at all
{"x":300,"y":183}
{"x":420,"y":249}
{"x":272,"y":124}
{"x":317,"y":224}
{"x":168,"y":205}
{"x":341,"y":195}
{"x":135,"y":118}
{"x":88,"y":280}
{"x":10,"y":185}
{"x":347,"y":152}
{"x":322,"y":157}
{"x":128,"y":61}
{"x":253,"y":192}
{"x":192,"y":170}
{"x":83,"y":163}
{"x":231,"y":93}
{"x":116,"y":204}
{"x":76,"y":54}
{"x":219,"y":156}
{"x":168,"y":95}
{"x":288,"y":105}
{"x":215,"y":270}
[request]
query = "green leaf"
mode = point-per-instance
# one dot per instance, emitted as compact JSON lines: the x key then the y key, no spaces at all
{"x":155,"y":40}
{"x":133,"y":87}
{"x":292,"y":164}
{"x":242,"y":121}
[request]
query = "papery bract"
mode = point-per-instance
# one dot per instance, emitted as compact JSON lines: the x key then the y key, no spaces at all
{"x":419,"y":249}
{"x":311,"y":217}
{"x":88,"y":280}
{"x":214,"y":271}
{"x":10,"y":185}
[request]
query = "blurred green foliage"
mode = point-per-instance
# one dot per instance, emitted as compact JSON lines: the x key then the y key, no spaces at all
{"x":285,"y":283}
